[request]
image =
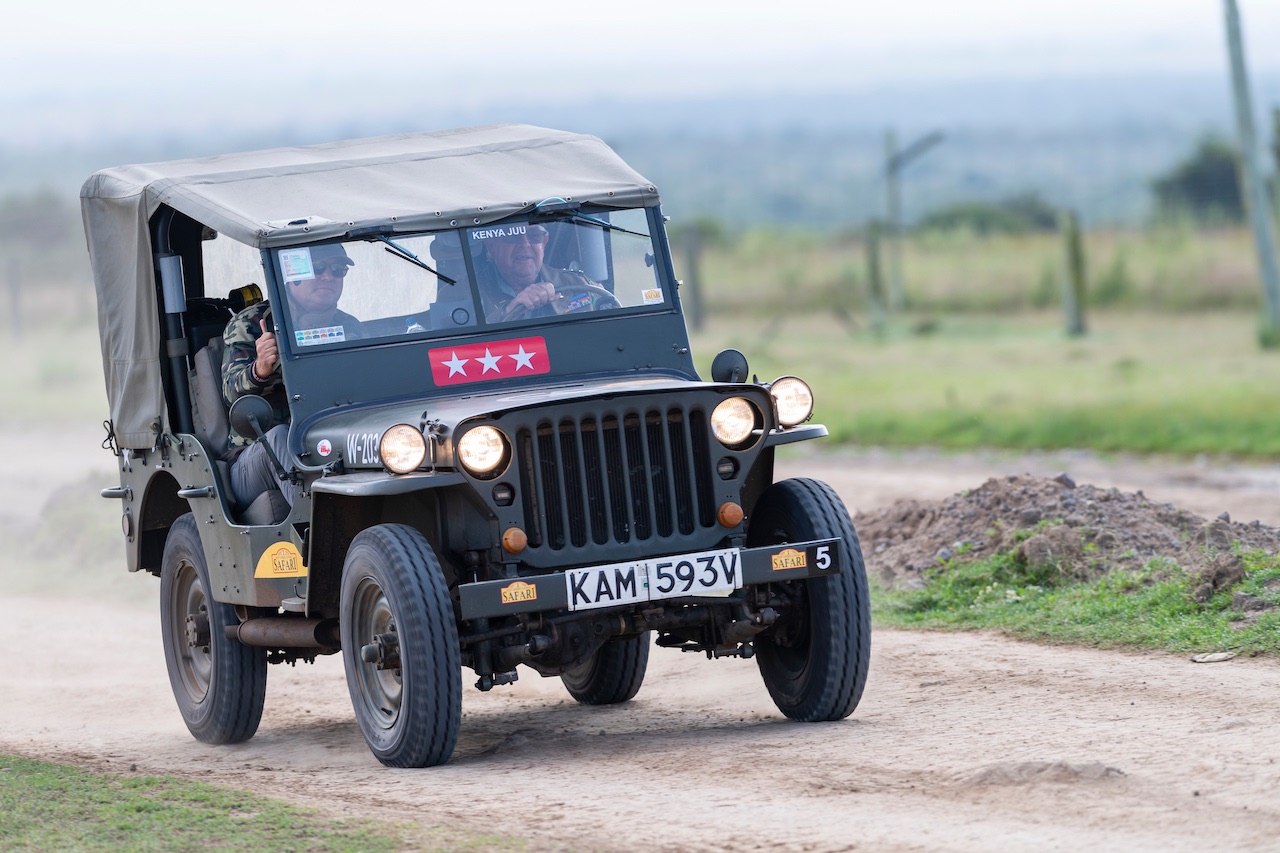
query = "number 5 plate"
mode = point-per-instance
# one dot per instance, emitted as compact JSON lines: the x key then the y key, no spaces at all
{"x":713,"y":573}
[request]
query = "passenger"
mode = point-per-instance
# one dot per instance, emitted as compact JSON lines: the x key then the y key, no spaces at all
{"x":251,"y":365}
{"x":516,"y":282}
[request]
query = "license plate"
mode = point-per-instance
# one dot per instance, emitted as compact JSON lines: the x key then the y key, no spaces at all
{"x":706,"y":573}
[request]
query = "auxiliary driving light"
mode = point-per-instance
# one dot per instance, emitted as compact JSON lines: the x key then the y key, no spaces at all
{"x":402,"y":448}
{"x":483,"y":450}
{"x":794,"y":399}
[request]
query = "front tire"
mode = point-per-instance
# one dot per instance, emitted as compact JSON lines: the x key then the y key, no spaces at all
{"x":814,"y":661}
{"x":400,"y":647}
{"x":612,"y":675}
{"x":220,"y":684}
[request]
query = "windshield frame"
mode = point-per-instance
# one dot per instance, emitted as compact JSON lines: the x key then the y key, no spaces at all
{"x":467,"y":270}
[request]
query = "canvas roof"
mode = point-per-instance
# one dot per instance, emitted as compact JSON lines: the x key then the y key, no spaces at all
{"x":281,"y":196}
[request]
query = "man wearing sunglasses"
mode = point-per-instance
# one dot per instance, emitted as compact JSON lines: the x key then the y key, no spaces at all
{"x":514,"y":281}
{"x":251,"y":360}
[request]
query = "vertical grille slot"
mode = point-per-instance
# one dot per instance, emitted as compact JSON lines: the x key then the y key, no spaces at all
{"x":621,"y":476}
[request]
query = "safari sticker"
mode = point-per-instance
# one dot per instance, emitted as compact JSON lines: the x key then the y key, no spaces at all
{"x":652,"y":296}
{"x":788,"y":558}
{"x":519,"y":591}
{"x":282,"y":560}
{"x":296,"y":264}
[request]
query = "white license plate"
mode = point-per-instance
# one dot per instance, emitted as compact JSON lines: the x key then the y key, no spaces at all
{"x":715,"y":573}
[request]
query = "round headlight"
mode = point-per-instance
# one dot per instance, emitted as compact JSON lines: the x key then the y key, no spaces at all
{"x":794,"y":400}
{"x":402,"y":448}
{"x":482,"y":450}
{"x":732,"y":421}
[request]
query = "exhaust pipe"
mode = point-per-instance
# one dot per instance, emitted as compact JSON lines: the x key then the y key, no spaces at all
{"x":287,"y":632}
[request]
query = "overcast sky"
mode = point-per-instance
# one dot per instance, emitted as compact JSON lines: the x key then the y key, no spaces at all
{"x":87,"y":62}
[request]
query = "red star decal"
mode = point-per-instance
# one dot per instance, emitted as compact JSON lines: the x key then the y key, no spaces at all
{"x":493,"y":360}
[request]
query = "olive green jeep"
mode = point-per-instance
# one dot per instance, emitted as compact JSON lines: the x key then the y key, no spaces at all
{"x":476,"y":482}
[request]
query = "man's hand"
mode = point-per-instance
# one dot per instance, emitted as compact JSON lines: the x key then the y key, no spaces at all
{"x":268,"y":353}
{"x":533,"y":297}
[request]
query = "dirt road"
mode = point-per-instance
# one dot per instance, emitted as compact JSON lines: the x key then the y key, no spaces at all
{"x":961,"y":743}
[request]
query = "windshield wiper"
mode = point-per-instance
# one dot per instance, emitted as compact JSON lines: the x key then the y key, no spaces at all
{"x":568,"y":210}
{"x":405,"y":255}
{"x":608,"y":226}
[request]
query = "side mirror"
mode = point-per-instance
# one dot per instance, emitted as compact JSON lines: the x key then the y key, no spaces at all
{"x":728,"y":366}
{"x":250,"y":415}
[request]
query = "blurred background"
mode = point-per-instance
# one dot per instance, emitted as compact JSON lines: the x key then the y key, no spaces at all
{"x":979,"y":224}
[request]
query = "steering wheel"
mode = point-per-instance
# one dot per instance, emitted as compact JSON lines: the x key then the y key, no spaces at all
{"x":576,"y":288}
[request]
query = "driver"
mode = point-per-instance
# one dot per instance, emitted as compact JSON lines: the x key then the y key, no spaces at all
{"x":251,"y":364}
{"x":516,"y":281}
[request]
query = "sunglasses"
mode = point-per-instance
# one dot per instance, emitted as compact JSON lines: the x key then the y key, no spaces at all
{"x":531,"y":236}
{"x":337,"y":269}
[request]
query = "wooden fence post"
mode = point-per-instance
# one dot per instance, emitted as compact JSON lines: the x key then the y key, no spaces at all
{"x":1257,"y":204}
{"x":693,"y":277}
{"x":1073,"y":291}
{"x":875,"y":278}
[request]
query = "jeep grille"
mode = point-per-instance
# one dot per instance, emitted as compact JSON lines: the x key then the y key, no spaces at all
{"x":615,"y":476}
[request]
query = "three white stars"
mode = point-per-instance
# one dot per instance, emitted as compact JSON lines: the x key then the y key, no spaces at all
{"x":489,"y":360}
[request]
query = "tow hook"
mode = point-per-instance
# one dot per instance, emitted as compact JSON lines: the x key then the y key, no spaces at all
{"x":384,"y":651}
{"x":488,"y":682}
{"x":753,"y":623}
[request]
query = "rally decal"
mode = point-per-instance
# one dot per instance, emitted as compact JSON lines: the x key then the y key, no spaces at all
{"x":457,"y":365}
{"x":789,"y":558}
{"x":518,"y":592}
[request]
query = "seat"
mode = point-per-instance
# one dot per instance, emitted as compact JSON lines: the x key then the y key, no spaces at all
{"x":209,"y":422}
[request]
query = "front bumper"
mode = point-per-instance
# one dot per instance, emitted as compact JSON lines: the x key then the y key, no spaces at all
{"x":554,"y":591}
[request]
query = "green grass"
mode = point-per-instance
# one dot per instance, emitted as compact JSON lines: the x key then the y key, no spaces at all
{"x":1169,"y":269}
{"x":53,"y":807}
{"x":1147,"y":383}
{"x":1149,"y":609}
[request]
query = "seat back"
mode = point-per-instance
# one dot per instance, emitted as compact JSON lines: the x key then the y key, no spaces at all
{"x":208,"y":411}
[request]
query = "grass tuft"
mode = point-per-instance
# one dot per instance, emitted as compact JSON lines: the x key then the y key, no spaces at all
{"x":1152,"y":608}
{"x":47,"y":806}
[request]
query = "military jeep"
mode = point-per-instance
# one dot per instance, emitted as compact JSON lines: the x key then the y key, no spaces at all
{"x":474,"y":485}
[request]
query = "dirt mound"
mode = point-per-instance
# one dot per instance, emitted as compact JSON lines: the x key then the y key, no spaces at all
{"x":1080,"y":530}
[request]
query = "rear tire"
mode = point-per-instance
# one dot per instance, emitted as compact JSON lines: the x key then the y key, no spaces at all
{"x":394,"y":595}
{"x":612,"y":675}
{"x":220,"y":684}
{"x":814,"y":661}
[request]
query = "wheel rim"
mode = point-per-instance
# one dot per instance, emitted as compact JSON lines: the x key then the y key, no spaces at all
{"x":188,"y":612}
{"x":380,"y":689}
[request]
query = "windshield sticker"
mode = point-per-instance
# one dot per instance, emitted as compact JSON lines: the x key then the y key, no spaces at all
{"x":651,"y":296}
{"x":322,"y":335}
{"x":295,"y":264}
{"x":515,"y":229}
{"x":494,"y":360}
{"x":577,"y":303}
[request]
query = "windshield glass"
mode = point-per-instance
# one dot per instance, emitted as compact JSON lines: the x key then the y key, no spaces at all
{"x":557,"y":269}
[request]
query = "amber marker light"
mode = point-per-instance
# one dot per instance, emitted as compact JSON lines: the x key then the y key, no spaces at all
{"x":515,"y":540}
{"x":730,"y":514}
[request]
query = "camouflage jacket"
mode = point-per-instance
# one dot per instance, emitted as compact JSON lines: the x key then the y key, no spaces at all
{"x":238,"y":378}
{"x":495,"y":293}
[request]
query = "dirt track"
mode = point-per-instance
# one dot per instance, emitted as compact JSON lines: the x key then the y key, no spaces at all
{"x":962,"y":742}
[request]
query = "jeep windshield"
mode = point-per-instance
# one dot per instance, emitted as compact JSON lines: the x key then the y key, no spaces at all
{"x":534,"y":271}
